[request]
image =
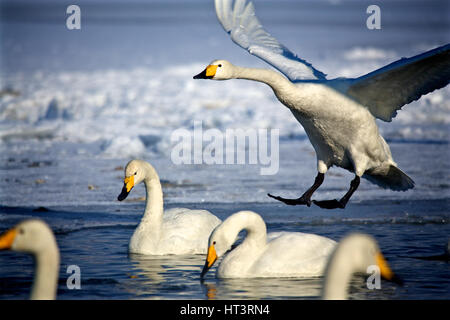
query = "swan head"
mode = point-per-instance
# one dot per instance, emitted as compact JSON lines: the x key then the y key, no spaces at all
{"x":220,"y":241}
{"x":218,"y":244}
{"x":365,"y":251}
{"x":136,"y":171}
{"x":354,"y":254}
{"x":30,"y":236}
{"x":217,"y":70}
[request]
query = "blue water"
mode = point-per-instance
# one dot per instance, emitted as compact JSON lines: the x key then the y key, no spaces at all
{"x":85,"y":102}
{"x":95,"y":236}
{"x":109,"y":272}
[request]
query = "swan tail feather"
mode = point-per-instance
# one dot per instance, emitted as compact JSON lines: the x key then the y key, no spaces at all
{"x":390,"y":177}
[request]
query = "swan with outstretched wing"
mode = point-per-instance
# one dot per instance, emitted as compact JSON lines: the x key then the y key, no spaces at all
{"x":338,"y":115}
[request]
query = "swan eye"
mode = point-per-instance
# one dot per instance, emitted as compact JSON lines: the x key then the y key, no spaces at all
{"x":21,"y":231}
{"x":219,"y":65}
{"x":214,"y":242}
{"x":135,"y":173}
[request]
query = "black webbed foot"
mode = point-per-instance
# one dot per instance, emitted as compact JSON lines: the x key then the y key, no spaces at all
{"x":330,"y":204}
{"x":292,"y":202}
{"x":335,"y":204}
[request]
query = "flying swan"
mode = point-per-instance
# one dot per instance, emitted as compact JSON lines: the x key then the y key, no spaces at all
{"x":338,"y":115}
{"x":35,"y":237}
{"x":355,"y":253}
{"x":177,"y":231}
{"x":278,"y":254}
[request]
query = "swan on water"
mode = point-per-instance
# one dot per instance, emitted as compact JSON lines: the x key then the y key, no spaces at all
{"x":174,"y":231}
{"x":278,"y":254}
{"x":36,"y":238}
{"x":338,"y":115}
{"x":353,"y":254}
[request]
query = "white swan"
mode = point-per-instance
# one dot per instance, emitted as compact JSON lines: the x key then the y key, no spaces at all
{"x":354,"y":254}
{"x":284,"y":254}
{"x":177,"y":231}
{"x":338,"y":115}
{"x":35,"y":237}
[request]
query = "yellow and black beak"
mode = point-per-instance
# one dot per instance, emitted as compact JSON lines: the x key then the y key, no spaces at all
{"x":385,"y":271}
{"x":210,"y":259}
{"x":7,"y":239}
{"x":208,"y":73}
{"x":128,"y":184}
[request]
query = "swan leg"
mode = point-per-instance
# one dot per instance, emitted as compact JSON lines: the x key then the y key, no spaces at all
{"x":334,"y":204}
{"x":305,"y":199}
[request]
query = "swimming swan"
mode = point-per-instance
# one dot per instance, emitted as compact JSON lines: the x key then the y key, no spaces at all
{"x":354,"y":254}
{"x":338,"y":115}
{"x":177,"y":231}
{"x":279,"y":254}
{"x":35,"y":237}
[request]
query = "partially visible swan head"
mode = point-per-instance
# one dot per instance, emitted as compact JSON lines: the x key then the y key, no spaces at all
{"x":225,"y":234}
{"x":35,"y":237}
{"x":219,"y":242}
{"x":217,"y":70}
{"x":30,"y":236}
{"x":136,"y":171}
{"x":354,"y":254}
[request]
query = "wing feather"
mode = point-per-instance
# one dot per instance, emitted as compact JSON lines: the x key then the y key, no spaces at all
{"x":388,"y":89}
{"x":244,"y":28}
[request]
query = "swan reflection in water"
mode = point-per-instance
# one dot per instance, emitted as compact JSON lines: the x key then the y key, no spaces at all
{"x":164,"y":276}
{"x":169,"y":276}
{"x":263,"y":288}
{"x":175,"y":276}
{"x":288,"y":288}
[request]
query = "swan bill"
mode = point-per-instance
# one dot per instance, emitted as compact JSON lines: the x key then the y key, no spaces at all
{"x":7,"y":239}
{"x":128,"y":184}
{"x":208,"y":73}
{"x":210,"y":259}
{"x":385,"y":271}
{"x":124,"y":194}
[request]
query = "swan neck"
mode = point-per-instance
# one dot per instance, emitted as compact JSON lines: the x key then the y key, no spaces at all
{"x":154,"y":206}
{"x":47,"y":272}
{"x":255,"y":227}
{"x":337,"y":277}
{"x":270,"y":77}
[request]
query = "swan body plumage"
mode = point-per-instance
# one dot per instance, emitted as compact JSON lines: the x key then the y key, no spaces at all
{"x":174,"y":231}
{"x":338,"y":115}
{"x":280,"y":254}
{"x":35,"y":237}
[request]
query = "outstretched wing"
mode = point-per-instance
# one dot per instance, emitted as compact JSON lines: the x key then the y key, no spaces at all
{"x":386,"y":90}
{"x":240,"y":21}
